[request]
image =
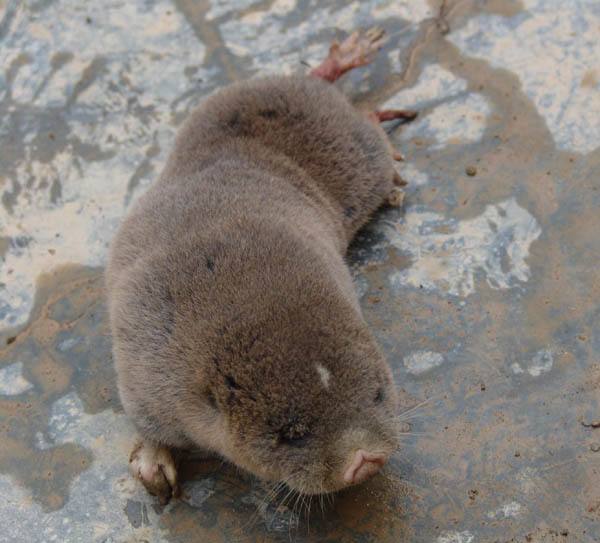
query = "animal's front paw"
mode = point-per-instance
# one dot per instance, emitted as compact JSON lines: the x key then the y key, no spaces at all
{"x":155,"y":467}
{"x":396,"y":197}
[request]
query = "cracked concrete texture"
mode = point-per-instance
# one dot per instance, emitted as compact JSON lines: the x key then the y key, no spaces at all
{"x":483,"y":292}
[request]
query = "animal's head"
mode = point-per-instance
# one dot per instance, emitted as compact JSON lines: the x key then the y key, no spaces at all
{"x":304,"y":397}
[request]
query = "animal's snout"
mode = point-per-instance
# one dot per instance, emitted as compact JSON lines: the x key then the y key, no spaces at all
{"x":364,"y":464}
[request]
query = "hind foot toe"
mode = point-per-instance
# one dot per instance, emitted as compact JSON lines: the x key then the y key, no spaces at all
{"x":356,"y":50}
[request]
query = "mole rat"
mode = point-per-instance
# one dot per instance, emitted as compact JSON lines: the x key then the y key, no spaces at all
{"x":235,"y":324}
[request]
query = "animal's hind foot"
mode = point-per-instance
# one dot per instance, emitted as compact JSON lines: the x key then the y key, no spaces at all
{"x":154,"y":466}
{"x":392,"y":114}
{"x":379,"y":116}
{"x":356,"y":50}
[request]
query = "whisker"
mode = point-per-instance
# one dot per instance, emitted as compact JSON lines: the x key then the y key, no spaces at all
{"x":291,"y":492}
{"x":271,"y":500}
{"x":415,"y":407}
{"x":411,"y":416}
{"x":329,"y":498}
{"x":559,"y":464}
{"x":275,"y":489}
{"x":321,"y":502}
{"x":299,"y":496}
{"x":270,"y":492}
{"x":295,"y":514}
{"x":264,"y":504}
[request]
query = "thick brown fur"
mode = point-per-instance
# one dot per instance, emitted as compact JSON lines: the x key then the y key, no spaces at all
{"x":228,"y":288}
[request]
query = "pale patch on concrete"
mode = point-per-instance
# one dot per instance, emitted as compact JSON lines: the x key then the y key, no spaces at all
{"x":95,"y":509}
{"x":448,"y":254}
{"x":407,"y":10}
{"x":551,"y":52}
{"x":541,"y":362}
{"x":516,"y":368}
{"x":456,"y":537}
{"x":395,"y":61}
{"x":422,"y":361}
{"x":361,"y":285}
{"x":434,"y":84}
{"x":41,"y":442}
{"x":12,"y":382}
{"x":324,"y":374}
{"x":456,"y":117}
{"x":218,"y":8}
{"x":458,"y":122}
{"x":526,"y":480}
{"x":68,"y":344}
{"x":413,"y":176}
{"x":121,"y":81}
{"x":273,"y":44}
{"x":508,"y":510}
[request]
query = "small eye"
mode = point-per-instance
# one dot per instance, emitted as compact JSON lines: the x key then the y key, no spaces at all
{"x":294,"y":441}
{"x":379,"y":396}
{"x":293,"y":434}
{"x":231,"y":383}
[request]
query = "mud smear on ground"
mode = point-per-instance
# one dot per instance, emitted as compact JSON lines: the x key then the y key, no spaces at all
{"x":466,"y":464}
{"x":65,"y":346}
{"x":224,"y":504}
{"x":217,"y":55}
{"x":482,"y":431}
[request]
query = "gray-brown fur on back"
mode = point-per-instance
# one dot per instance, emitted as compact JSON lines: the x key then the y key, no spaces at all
{"x":227,"y":282}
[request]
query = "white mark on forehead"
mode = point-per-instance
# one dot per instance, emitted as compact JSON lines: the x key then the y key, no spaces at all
{"x":324,"y":374}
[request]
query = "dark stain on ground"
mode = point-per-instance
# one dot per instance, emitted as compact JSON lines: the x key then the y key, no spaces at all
{"x":55,"y":191}
{"x":65,"y":346}
{"x":481,"y":339}
{"x":137,"y":513}
{"x":89,"y":75}
{"x":4,"y":246}
{"x":240,"y":509}
{"x":52,"y":132}
{"x":229,"y":67}
{"x":143,"y":171}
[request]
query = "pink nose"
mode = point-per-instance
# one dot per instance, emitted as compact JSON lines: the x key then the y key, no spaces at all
{"x":364,"y":465}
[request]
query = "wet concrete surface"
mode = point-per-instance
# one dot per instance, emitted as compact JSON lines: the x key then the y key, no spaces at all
{"x":483,"y":291}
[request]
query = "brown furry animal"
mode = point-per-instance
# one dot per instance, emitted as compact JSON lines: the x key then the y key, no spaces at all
{"x":235,"y":323}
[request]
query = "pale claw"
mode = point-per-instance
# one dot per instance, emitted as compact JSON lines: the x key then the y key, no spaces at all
{"x":396,"y":197}
{"x":154,"y":466}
